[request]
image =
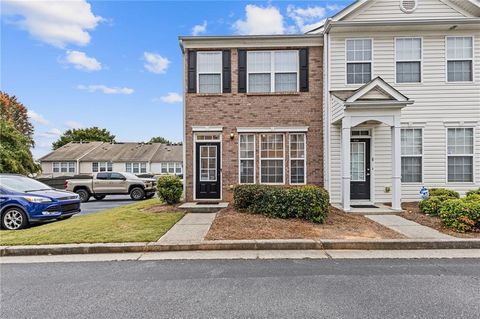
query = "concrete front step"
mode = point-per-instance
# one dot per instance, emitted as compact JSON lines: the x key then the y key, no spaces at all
{"x":199,"y":207}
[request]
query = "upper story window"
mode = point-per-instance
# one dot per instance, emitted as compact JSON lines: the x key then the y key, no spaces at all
{"x":209,"y":72}
{"x":408,"y":60}
{"x":64,"y":167}
{"x":359,"y":60}
{"x":102,"y":167}
{"x":459,"y":59}
{"x":272,"y":71}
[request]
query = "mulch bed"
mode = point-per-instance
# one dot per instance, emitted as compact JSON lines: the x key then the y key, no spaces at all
{"x":413,"y":213}
{"x":230,"y":224}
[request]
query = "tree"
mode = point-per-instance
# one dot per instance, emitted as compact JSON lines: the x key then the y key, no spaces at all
{"x":15,"y":112}
{"x":15,"y":154}
{"x":90,"y":134}
{"x":159,"y":139}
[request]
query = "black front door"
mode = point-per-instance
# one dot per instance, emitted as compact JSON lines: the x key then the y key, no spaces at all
{"x":207,"y":168}
{"x":360,"y":169}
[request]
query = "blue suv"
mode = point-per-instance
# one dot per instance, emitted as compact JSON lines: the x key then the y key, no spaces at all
{"x":24,"y":201}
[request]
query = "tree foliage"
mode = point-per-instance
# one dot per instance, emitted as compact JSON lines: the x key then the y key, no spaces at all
{"x":159,"y":139}
{"x":11,"y":110}
{"x":90,"y":134}
{"x":15,"y":154}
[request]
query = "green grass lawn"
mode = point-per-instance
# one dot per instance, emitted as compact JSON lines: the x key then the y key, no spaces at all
{"x":131,"y":223}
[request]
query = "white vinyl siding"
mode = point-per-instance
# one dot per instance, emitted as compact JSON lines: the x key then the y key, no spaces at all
{"x":411,"y":149}
{"x":272,"y":71}
{"x":298,"y":159}
{"x":209,"y":72}
{"x":102,"y":167}
{"x":408,"y":53}
{"x":136,"y":167}
{"x":359,"y":60}
{"x":247,"y":158}
{"x":272,"y":159}
{"x":460,"y":148}
{"x":459,"y":59}
{"x":64,"y":167}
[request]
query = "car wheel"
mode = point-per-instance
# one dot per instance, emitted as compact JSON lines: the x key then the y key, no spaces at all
{"x":149,"y":196}
{"x":137,"y":193}
{"x":14,"y":218}
{"x":99,"y":197}
{"x":84,"y":195}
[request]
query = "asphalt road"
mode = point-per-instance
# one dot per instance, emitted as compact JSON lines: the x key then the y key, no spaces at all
{"x":93,"y":205}
{"x":400,"y":288}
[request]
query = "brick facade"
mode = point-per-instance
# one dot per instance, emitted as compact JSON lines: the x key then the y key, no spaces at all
{"x":235,"y":109}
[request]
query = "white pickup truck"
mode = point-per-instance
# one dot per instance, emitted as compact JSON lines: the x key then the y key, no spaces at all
{"x":112,"y":183}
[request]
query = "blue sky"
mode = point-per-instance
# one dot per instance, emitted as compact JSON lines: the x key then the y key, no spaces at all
{"x":117,"y":64}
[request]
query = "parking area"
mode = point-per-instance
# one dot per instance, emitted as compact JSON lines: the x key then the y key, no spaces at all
{"x":93,"y":205}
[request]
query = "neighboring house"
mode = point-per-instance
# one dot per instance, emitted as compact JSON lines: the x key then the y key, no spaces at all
{"x":402,"y":102}
{"x":91,"y":157}
{"x":252,"y":112}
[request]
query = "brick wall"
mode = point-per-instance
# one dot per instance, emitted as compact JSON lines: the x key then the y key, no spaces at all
{"x":234,"y":110}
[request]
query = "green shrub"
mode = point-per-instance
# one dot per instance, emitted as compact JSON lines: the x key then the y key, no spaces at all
{"x":305,"y":202}
{"x":461,"y":214}
{"x":473,"y":192}
{"x":473,"y":197}
{"x":169,"y":189}
{"x":443,"y":192}
{"x":432,"y":205}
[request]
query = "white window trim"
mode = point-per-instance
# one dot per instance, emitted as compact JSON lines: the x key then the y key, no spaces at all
{"x":221,"y":72}
{"x":254,"y":160}
{"x":448,"y":155}
{"x":290,"y":158}
{"x":194,"y":151}
{"x":272,"y":70}
{"x":272,"y":158}
{"x":167,"y":165}
{"x":472,"y":59}
{"x":419,"y":60}
{"x":106,"y":167}
{"x":69,"y":165}
{"x":364,"y":162}
{"x":421,"y":155}
{"x":208,"y":168}
{"x":372,"y":74}
{"x":139,"y":167}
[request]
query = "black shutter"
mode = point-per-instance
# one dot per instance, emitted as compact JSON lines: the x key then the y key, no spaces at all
{"x":227,"y":74}
{"x":303,"y":70}
{"x":192,"y":71}
{"x":242,"y":71}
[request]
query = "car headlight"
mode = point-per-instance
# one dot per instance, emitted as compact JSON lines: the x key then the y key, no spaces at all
{"x":36,"y":199}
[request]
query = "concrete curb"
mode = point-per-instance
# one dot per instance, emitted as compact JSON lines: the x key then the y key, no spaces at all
{"x":293,"y":244}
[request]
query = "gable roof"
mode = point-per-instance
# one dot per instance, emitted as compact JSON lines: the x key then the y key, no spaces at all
{"x":71,"y":152}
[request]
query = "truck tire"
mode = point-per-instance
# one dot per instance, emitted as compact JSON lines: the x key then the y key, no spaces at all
{"x":14,"y":218}
{"x":137,"y":193}
{"x":84,"y":195}
{"x":99,"y":197}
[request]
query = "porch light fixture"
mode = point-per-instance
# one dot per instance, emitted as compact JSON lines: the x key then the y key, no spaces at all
{"x":232,"y":136}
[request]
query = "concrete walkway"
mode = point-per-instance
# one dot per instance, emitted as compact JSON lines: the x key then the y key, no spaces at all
{"x":191,"y":228}
{"x":408,"y":227}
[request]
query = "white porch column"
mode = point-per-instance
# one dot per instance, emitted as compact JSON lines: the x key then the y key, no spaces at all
{"x":345,"y":159}
{"x":396,"y":167}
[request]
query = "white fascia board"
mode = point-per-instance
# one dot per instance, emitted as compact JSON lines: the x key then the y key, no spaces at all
{"x":382,"y":85}
{"x":207,"y":128}
{"x":272,"y":129}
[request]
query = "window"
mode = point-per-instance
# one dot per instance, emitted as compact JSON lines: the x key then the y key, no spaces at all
{"x":272,"y":71}
{"x":103,"y":176}
{"x":271,"y":159}
{"x":297,"y":159}
{"x":459,"y":59}
{"x":460,"y":154}
{"x":359,"y":61}
{"x":357,"y":161}
{"x":408,"y":60}
{"x":102,"y":167}
{"x":247,"y":158}
{"x":117,"y":176}
{"x":64,"y":167}
{"x":412,"y":149}
{"x":136,"y":168}
{"x":171,"y":168}
{"x":209,"y":66}
{"x":208,"y":163}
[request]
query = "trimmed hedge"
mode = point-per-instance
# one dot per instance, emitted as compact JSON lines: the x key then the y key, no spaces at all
{"x":473,"y":192}
{"x":431,"y":205}
{"x":443,"y":192}
{"x":169,"y":189}
{"x":461,"y":214}
{"x":305,"y":202}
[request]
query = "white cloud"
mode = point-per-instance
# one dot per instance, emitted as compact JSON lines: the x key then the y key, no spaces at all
{"x":334,"y":7}
{"x":82,"y":62}
{"x":307,"y":19}
{"x":37,"y":118}
{"x":55,"y":22}
{"x":73,"y":124}
{"x":105,"y":89}
{"x":54,"y":132}
{"x":260,"y":20}
{"x":155,"y":63}
{"x":170,"y":98}
{"x":199,"y":28}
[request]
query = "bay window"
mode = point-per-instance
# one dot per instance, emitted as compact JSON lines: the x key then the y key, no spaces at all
{"x":408,"y":60}
{"x":412,"y":149}
{"x":359,"y":60}
{"x":460,"y":154}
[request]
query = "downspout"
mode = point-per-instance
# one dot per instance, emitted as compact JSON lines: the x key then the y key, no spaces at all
{"x":184,"y":144}
{"x":326,"y":105}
